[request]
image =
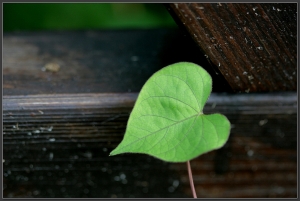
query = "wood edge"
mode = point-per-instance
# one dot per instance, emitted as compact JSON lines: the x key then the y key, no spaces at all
{"x":69,"y":101}
{"x":252,"y":103}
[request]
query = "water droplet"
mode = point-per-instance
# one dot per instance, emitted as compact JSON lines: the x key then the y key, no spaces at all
{"x":52,"y":139}
{"x":250,"y":153}
{"x":88,"y":154}
{"x":122,"y":176}
{"x":263,"y":122}
{"x":51,"y":155}
{"x":50,"y":128}
{"x":134,"y":58}
{"x":175,"y":183}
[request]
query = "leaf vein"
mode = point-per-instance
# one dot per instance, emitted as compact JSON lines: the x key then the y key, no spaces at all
{"x":170,"y":98}
{"x":189,"y":88}
{"x":185,"y":135}
{"x":152,"y":115}
{"x":159,"y":130}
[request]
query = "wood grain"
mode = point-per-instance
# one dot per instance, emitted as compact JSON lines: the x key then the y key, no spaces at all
{"x":108,"y":61}
{"x":57,"y":146}
{"x":253,"y":45}
{"x":59,"y":127}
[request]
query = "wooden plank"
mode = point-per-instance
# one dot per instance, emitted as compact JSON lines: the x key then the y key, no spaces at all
{"x":56,"y":148}
{"x":115,"y":61}
{"x":54,"y":115}
{"x":253,"y":45}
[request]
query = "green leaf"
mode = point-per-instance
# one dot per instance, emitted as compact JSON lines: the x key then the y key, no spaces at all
{"x":167,"y":121}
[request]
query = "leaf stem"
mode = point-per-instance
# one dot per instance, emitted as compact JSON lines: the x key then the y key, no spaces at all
{"x":191,"y":179}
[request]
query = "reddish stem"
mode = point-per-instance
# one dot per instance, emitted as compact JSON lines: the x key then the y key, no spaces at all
{"x":191,"y":179}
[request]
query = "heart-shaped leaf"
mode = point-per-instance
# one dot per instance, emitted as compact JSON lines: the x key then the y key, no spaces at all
{"x":167,"y":121}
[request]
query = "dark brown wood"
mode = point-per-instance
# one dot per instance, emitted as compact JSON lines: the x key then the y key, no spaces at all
{"x":253,"y":45}
{"x":93,"y":61}
{"x":254,"y":103}
{"x":59,"y":139}
{"x":254,"y":171}
{"x":71,"y":101}
{"x":59,"y":125}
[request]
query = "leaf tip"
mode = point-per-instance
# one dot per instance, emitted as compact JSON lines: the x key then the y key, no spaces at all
{"x":116,"y":151}
{"x":112,"y":153}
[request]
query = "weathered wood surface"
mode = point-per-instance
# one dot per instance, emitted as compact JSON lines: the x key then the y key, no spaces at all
{"x":58,"y":127}
{"x":93,"y":61}
{"x":253,"y":45}
{"x":251,"y":169}
{"x":254,"y":103}
{"x":58,"y":145}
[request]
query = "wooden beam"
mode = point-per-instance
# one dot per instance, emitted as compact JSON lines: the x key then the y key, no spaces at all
{"x":253,"y":103}
{"x":115,"y":61}
{"x":57,"y":145}
{"x":253,"y":45}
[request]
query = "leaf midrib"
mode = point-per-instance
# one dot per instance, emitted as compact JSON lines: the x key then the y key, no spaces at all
{"x":195,"y":115}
